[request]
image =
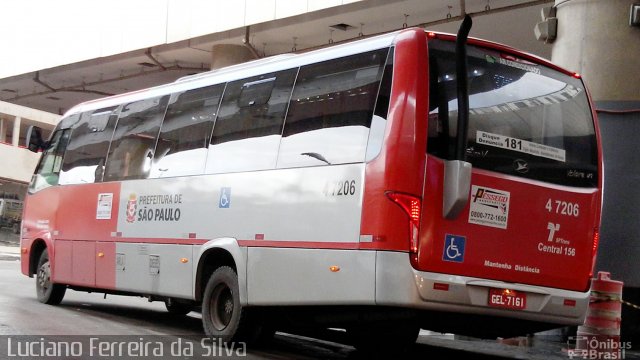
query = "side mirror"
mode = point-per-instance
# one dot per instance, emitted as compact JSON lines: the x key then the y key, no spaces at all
{"x":34,"y":139}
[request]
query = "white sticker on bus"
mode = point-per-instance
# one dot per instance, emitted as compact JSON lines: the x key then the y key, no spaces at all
{"x":489,"y":207}
{"x":523,"y":146}
{"x":105,"y":204}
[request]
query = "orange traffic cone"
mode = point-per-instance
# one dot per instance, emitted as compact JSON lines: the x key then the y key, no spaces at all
{"x":599,"y":336}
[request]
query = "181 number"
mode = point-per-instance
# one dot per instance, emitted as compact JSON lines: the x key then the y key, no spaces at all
{"x":513,"y":144}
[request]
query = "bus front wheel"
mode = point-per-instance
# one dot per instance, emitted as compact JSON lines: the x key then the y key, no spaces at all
{"x":47,"y":291}
{"x":223,"y":317}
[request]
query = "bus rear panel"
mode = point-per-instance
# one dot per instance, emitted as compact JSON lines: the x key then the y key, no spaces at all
{"x":534,"y":203}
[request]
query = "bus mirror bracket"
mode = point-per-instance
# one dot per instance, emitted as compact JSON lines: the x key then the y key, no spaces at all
{"x":34,"y":139}
{"x":457,"y":172}
{"x":457,"y":182}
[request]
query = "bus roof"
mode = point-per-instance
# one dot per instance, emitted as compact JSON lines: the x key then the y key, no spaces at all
{"x":243,"y":70}
{"x":286,"y":61}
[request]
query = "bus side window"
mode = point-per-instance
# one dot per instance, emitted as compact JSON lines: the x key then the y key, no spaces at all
{"x":87,"y":150}
{"x":134,"y":139}
{"x":247,"y":132}
{"x":331,"y":110}
{"x":48,"y":169}
{"x":185,"y":133}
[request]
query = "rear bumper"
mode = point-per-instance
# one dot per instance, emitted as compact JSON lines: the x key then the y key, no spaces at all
{"x":398,"y":284}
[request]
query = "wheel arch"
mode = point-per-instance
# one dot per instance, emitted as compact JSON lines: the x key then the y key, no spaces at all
{"x":38,"y":246}
{"x":216,"y":253}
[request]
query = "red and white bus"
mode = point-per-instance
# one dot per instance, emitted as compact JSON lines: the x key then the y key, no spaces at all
{"x":332,"y":186}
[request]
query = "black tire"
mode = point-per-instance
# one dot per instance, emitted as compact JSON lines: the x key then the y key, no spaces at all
{"x":47,"y":292}
{"x":176,"y":307}
{"x":223,"y":317}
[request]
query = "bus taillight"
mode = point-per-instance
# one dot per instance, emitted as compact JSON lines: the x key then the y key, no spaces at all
{"x":594,"y":251}
{"x":412,"y":206}
{"x":596,"y":241}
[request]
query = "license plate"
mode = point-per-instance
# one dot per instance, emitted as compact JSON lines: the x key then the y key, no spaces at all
{"x":508,"y":299}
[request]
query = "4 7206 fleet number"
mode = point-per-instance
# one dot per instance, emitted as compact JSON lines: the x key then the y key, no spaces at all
{"x":563,"y":208}
{"x":340,"y":188}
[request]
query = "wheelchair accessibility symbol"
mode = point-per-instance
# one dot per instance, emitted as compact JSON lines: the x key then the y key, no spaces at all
{"x":454,"y":248}
{"x":225,"y":198}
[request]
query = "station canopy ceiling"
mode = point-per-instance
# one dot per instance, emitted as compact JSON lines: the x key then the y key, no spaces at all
{"x":59,"y":88}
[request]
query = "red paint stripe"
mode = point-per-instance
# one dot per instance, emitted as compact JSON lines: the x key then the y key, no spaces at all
{"x":178,"y":241}
{"x":247,"y":243}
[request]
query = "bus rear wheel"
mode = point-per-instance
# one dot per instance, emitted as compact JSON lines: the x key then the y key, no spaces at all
{"x":47,"y":291}
{"x":223,"y":317}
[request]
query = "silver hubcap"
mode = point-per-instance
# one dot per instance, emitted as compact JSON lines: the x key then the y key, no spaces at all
{"x":44,"y":276}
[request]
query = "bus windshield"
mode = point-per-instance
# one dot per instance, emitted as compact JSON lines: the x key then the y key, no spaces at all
{"x":525,"y":119}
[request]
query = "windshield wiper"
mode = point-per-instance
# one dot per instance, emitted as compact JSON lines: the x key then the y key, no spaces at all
{"x":317,"y":156}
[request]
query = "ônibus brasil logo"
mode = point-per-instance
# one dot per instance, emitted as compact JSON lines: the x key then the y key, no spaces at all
{"x":132,"y":204}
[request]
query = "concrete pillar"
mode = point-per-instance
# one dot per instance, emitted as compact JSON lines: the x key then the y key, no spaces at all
{"x":595,"y":40}
{"x":3,"y":131}
{"x":15,"y":140}
{"x":228,"y":54}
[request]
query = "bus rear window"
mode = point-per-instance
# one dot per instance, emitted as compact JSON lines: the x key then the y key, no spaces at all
{"x":525,"y":119}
